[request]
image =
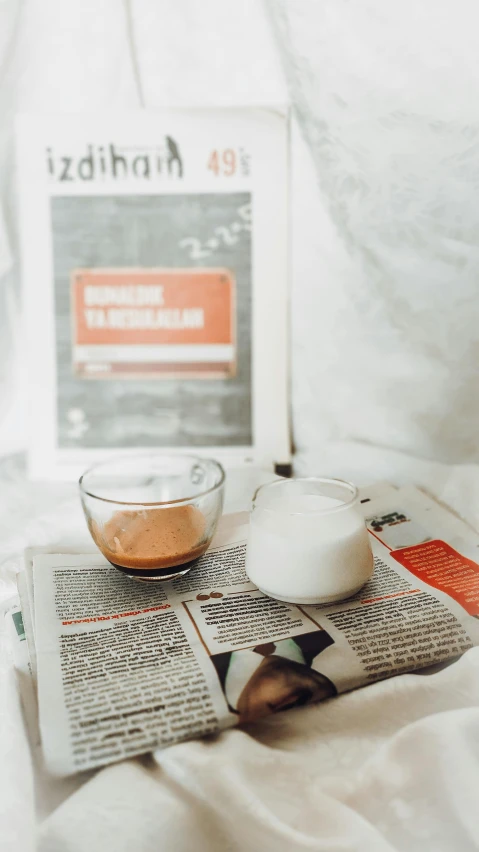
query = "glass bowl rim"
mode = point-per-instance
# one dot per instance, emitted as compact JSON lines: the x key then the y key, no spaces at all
{"x":352,"y":488}
{"x":159,"y":503}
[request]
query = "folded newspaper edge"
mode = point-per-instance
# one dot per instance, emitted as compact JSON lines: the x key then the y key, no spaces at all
{"x":125,"y":668}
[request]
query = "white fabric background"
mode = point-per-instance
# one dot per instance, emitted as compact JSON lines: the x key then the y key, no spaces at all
{"x":385,"y":217}
{"x":384,"y":381}
{"x":385,"y":343}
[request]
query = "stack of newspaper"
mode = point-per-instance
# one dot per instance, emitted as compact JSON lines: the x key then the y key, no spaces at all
{"x":122,"y":668}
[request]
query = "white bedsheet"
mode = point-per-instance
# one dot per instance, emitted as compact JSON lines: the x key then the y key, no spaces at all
{"x":384,"y":351}
{"x":394,"y":766}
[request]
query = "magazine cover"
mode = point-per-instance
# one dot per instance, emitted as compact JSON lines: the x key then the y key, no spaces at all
{"x":155,"y":258}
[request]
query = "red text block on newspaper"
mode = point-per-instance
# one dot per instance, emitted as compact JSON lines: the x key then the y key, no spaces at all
{"x":439,"y":565}
{"x":165,"y":323}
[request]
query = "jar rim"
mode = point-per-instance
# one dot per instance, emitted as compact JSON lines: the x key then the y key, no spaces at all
{"x":343,"y":483}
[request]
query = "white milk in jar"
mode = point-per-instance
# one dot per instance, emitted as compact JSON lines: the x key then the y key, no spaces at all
{"x":308,"y":541}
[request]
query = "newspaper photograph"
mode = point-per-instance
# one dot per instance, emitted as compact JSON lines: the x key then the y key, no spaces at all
{"x":125,"y":668}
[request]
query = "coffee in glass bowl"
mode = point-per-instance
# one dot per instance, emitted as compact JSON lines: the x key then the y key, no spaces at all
{"x":153,"y":515}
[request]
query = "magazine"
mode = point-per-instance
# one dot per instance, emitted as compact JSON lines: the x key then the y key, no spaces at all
{"x":124,"y":668}
{"x":146,"y":239}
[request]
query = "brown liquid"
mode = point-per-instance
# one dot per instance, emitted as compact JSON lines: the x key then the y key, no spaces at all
{"x":153,"y":538}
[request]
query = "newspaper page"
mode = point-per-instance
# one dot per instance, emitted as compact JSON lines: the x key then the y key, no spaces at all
{"x":146,"y":239}
{"x":125,"y":668}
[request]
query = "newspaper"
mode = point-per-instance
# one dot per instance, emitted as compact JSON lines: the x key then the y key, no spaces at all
{"x":21,"y":653}
{"x":124,"y":668}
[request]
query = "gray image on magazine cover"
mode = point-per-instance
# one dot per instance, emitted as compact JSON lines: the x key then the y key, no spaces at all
{"x":146,"y":231}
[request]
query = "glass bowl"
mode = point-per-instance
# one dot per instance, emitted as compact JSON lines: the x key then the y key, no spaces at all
{"x":153,"y":515}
